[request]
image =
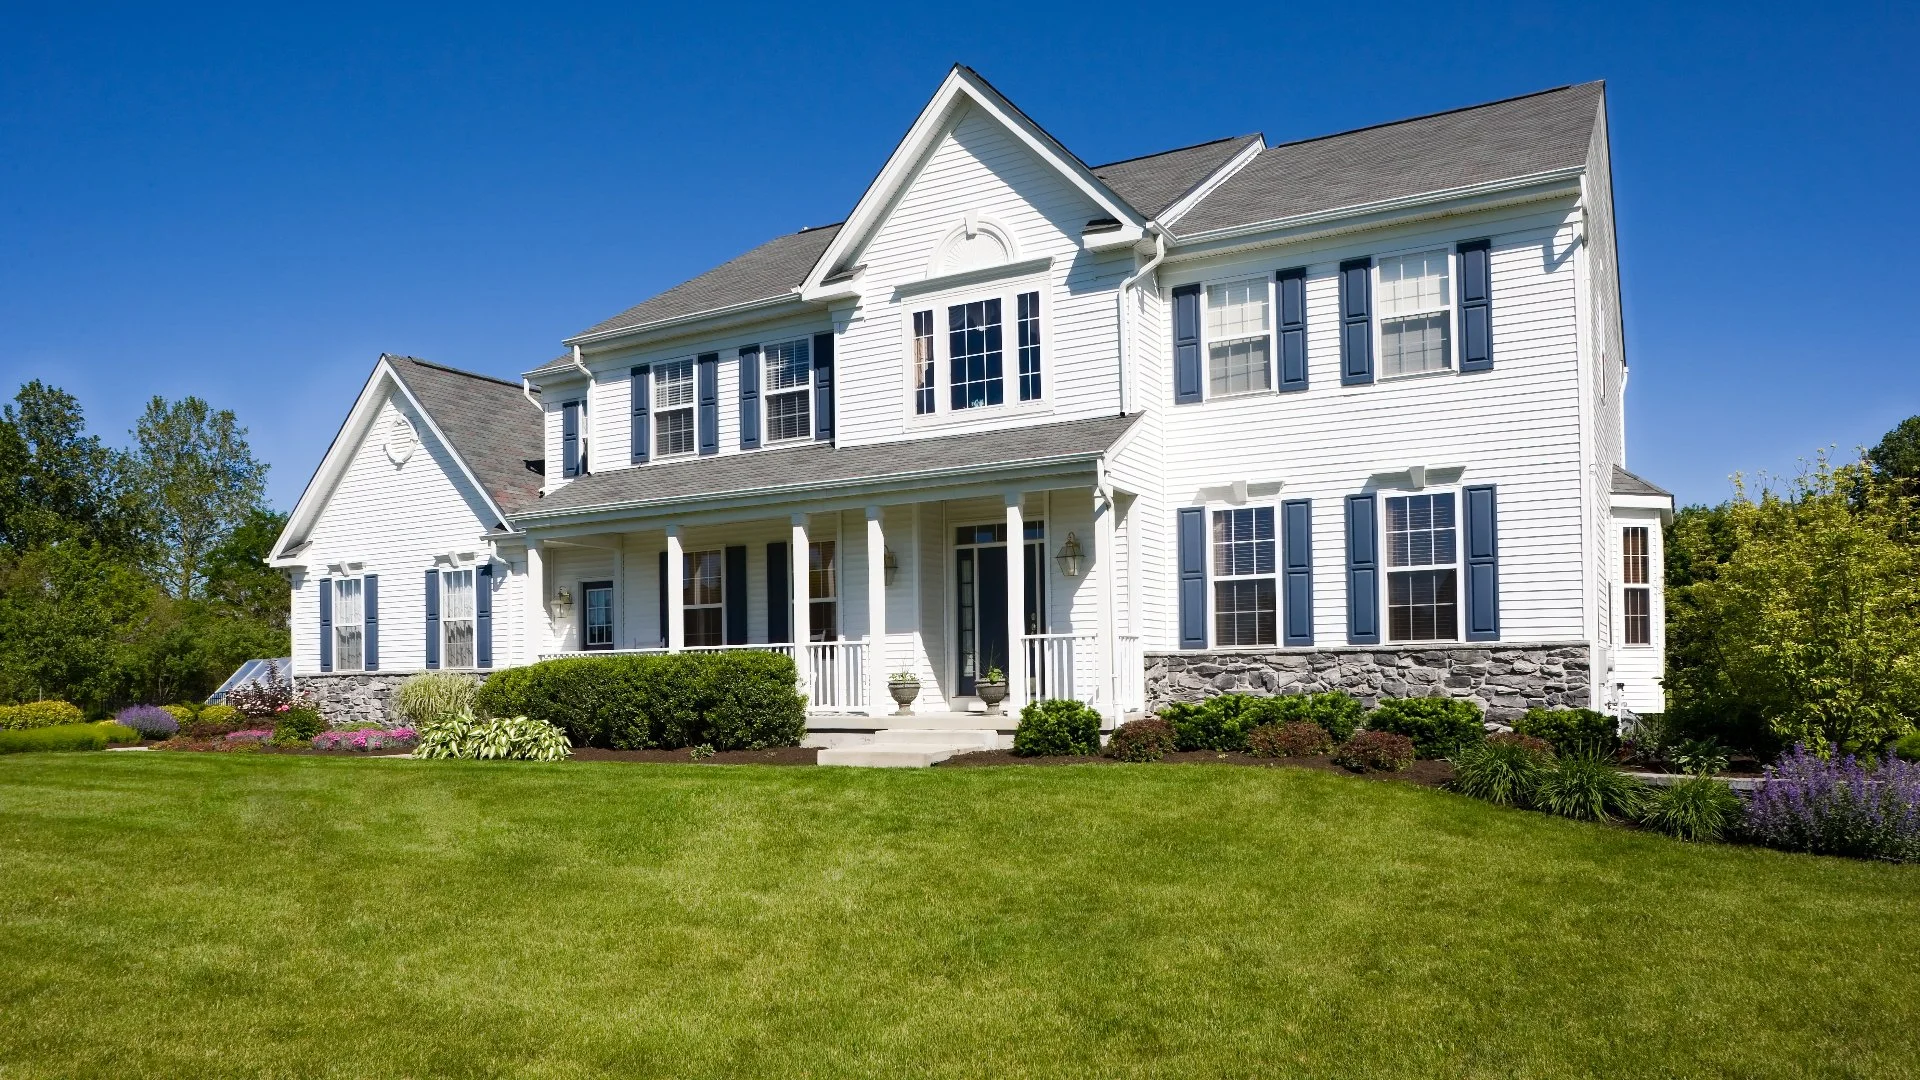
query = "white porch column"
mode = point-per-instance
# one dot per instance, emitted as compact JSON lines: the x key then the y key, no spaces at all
{"x":802,"y":617}
{"x":876,"y":613}
{"x":1103,"y":576}
{"x":535,"y":639}
{"x":676,"y":592}
{"x":1016,"y":605}
{"x":620,"y":592}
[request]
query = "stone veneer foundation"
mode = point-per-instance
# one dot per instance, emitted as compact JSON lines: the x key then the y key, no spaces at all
{"x":358,"y":697}
{"x":1505,"y":679}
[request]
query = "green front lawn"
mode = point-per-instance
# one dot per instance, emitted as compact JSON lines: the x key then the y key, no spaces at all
{"x":248,"y":915}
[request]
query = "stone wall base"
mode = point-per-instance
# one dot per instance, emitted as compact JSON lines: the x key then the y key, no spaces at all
{"x":358,"y":697}
{"x":1506,"y":680}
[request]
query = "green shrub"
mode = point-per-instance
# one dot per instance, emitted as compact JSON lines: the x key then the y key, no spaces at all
{"x":1375,"y":751}
{"x":214,"y":722}
{"x":182,"y":714}
{"x":1570,"y":730}
{"x":298,"y":724}
{"x":1505,"y":769}
{"x":510,"y":739}
{"x":1907,"y":747}
{"x":735,"y":700}
{"x":1697,"y":808}
{"x":39,"y":714}
{"x":1223,"y":722}
{"x":1057,"y":726}
{"x":1147,"y":739}
{"x":1298,"y":738}
{"x":432,"y":696}
{"x":62,"y":737}
{"x":119,"y":734}
{"x":1338,"y":714}
{"x":1438,"y":726}
{"x":1585,"y":785}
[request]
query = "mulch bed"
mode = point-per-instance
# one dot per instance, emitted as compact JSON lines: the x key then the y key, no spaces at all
{"x":1423,"y":773}
{"x":785,"y":755}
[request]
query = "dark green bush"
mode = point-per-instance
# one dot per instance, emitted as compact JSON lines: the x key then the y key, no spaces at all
{"x":1147,"y":739}
{"x":1505,"y":769}
{"x":1439,"y":726}
{"x":1375,"y":751}
{"x":1907,"y":747}
{"x":1697,"y":808}
{"x":1570,"y":730}
{"x":1057,"y":727}
{"x":58,"y":737}
{"x":1298,"y":738}
{"x":1223,"y":722}
{"x":1338,"y":714}
{"x":1586,"y":785}
{"x":298,"y":724}
{"x":734,"y":700}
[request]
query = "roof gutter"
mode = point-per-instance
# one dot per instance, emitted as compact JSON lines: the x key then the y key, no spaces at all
{"x":791,"y":296}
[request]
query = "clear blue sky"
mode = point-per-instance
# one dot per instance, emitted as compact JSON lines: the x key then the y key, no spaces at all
{"x":251,"y":205}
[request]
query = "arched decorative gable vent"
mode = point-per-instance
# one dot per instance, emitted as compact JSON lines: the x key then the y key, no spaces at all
{"x":971,"y":245}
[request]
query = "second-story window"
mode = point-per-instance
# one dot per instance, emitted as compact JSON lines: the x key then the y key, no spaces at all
{"x":974,"y":354}
{"x":923,"y":373}
{"x":789,"y":390}
{"x":1416,"y":310}
{"x":1238,"y":344}
{"x":1029,"y":303}
{"x":673,"y":408}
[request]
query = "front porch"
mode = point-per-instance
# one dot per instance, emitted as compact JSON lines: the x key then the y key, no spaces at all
{"x":927,"y":586}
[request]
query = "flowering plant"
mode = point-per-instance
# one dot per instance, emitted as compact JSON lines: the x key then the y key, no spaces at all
{"x":251,"y":735}
{"x":367,"y":739}
{"x":151,"y":721}
{"x":1837,"y":805}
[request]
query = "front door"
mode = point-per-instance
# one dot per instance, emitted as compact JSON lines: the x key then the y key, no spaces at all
{"x":980,"y":608}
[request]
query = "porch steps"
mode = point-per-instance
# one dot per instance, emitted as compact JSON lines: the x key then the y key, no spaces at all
{"x":910,"y":748}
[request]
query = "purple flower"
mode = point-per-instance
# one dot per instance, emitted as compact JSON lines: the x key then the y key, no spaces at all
{"x":151,"y":721}
{"x":1836,"y":805}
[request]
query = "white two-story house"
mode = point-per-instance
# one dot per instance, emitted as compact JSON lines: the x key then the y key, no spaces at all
{"x":1337,"y":413}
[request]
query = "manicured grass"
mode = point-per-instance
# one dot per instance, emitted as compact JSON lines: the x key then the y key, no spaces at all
{"x":234,"y":915}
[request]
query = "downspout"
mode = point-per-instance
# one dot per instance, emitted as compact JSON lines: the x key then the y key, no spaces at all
{"x":586,"y":412}
{"x":1121,"y":313}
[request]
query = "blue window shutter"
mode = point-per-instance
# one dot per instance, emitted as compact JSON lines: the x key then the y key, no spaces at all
{"x":663,"y":599}
{"x":750,"y":397}
{"x":707,"y":375}
{"x":1483,"y":563}
{"x":1293,"y":329}
{"x":433,"y":618}
{"x":640,"y":434}
{"x":1296,"y":533}
{"x":570,"y":439}
{"x":1363,"y":570}
{"x":1476,"y":306}
{"x":1356,"y":322}
{"x":1186,"y":344}
{"x":483,"y":615}
{"x":779,"y":603}
{"x":326,"y":624}
{"x":1193,"y":577}
{"x":734,"y":595}
{"x":370,"y":620}
{"x":823,"y":387}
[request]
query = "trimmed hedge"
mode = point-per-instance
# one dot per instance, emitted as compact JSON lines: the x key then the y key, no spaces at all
{"x":1570,"y":730}
{"x":39,"y":714}
{"x":733,"y":700}
{"x":66,"y":737}
{"x":1224,"y":722}
{"x":1055,"y":727}
{"x":1439,"y":726}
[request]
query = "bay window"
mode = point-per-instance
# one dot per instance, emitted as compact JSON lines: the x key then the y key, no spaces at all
{"x":1245,"y":590}
{"x":673,"y":396}
{"x":1423,"y":589}
{"x":1415,"y":298}
{"x":1239,"y":346}
{"x":789,"y":390}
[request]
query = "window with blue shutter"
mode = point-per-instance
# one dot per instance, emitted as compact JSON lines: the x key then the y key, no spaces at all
{"x":326,"y":623}
{"x":570,"y":439}
{"x":779,"y":599}
{"x":1476,"y":306}
{"x":1186,"y":344}
{"x":638,"y":434}
{"x":483,"y":615}
{"x":1192,"y":536}
{"x":1363,"y":570}
{"x":707,"y":375}
{"x":1296,"y":555}
{"x":734,"y":594}
{"x":1483,"y":563}
{"x":370,"y":620}
{"x":823,"y":387}
{"x":1356,"y":322}
{"x":750,"y":397}
{"x":1292,"y":324}
{"x":433,"y":618}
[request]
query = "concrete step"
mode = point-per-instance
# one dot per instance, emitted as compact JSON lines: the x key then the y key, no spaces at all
{"x":879,"y":756}
{"x":968,"y":738}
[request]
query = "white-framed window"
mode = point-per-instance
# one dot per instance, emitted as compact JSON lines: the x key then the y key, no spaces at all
{"x":673,"y":398}
{"x":456,"y":618}
{"x":1239,"y":338}
{"x":1636,"y":593}
{"x":1246,"y":592}
{"x":924,"y":379}
{"x":349,"y":625}
{"x":1423,"y":567}
{"x":703,"y":596}
{"x":596,"y":614}
{"x":988,"y":350}
{"x":1027,"y":306}
{"x":823,"y":591}
{"x":1414,"y":297}
{"x":788,"y":369}
{"x":975,"y":354}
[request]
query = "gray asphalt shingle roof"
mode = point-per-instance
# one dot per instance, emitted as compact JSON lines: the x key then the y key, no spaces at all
{"x":820,"y":464}
{"x":1625,"y":483}
{"x":1152,"y":183}
{"x":1498,"y":141}
{"x":493,"y":428}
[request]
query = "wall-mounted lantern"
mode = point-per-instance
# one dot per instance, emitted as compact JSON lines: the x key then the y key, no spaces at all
{"x":1070,"y":556}
{"x":562,"y":602}
{"x":889,"y":565}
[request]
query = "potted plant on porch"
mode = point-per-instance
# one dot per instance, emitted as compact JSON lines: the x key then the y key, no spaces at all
{"x":992,"y":689}
{"x":904,"y":686}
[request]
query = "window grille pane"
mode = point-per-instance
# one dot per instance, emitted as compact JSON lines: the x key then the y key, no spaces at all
{"x":789,"y":364}
{"x":1414,"y":284}
{"x":1633,"y":548}
{"x":673,"y":384}
{"x":703,"y":626}
{"x":1239,"y":367}
{"x":1411,"y":346}
{"x":1245,"y":612}
{"x":1237,"y":309}
{"x":346,"y":648}
{"x":1639,"y":616}
{"x":923,"y":362}
{"x":823,"y":621}
{"x":788,"y":416}
{"x":1029,"y":346}
{"x":1243,"y":542}
{"x":823,"y":579}
{"x":457,"y":593}
{"x":673,"y":432}
{"x":458,"y":650}
{"x":1422,"y":605}
{"x":1421,"y":530}
{"x":974,"y":354}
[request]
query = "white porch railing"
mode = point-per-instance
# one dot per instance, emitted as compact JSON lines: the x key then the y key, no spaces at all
{"x":1130,"y":677}
{"x":1062,"y":666}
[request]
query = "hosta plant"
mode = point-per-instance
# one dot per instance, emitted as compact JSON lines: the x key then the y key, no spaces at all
{"x":512,"y":738}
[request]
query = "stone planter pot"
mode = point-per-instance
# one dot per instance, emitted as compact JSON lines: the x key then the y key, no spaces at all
{"x":903,"y":694}
{"x":992,"y":693}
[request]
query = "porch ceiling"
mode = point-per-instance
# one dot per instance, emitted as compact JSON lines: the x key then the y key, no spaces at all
{"x":820,"y":467}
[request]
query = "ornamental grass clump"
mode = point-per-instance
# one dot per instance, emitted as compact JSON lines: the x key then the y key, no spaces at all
{"x":1300,"y":738}
{"x":1586,"y":786}
{"x":1146,"y":739}
{"x":1697,"y":808}
{"x":151,"y":721}
{"x":1505,"y":770}
{"x":433,"y":696}
{"x":1056,"y":727}
{"x":66,"y":737}
{"x":1838,"y":805}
